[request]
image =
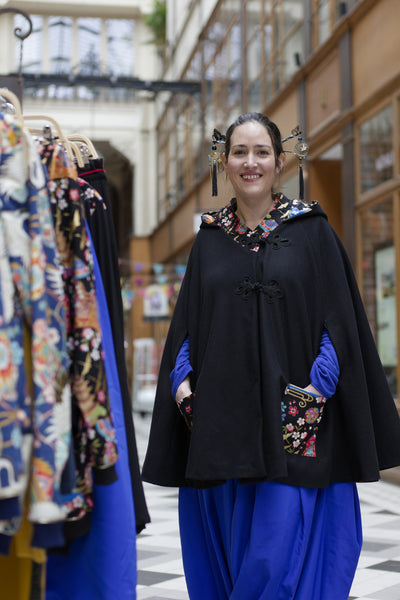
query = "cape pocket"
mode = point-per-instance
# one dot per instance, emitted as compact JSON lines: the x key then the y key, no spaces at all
{"x":301,"y":416}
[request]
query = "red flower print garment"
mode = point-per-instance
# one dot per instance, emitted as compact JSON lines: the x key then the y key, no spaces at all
{"x":301,"y":415}
{"x":94,"y":434}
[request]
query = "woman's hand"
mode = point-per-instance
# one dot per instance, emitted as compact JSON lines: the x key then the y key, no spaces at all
{"x":183,"y":390}
{"x":312,"y":389}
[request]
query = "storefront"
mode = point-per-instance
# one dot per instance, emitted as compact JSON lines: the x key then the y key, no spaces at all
{"x":327,"y":67}
{"x":378,"y":218}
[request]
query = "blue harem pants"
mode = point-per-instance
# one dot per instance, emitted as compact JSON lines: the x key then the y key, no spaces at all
{"x":270,"y":541}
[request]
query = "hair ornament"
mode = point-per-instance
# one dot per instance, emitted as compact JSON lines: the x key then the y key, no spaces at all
{"x":301,"y":151}
{"x":295,"y":132}
{"x":214,"y":159}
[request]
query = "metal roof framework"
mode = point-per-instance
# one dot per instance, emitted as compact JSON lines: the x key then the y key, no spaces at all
{"x":109,"y":81}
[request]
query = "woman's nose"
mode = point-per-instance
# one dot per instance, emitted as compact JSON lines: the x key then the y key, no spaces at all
{"x":250,"y":160}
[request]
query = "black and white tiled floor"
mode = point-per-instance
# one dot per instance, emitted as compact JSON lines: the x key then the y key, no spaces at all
{"x":160,"y":571}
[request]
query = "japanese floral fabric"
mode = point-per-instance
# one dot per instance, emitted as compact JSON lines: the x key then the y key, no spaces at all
{"x":282,"y":210}
{"x":301,"y":416}
{"x":93,"y":430}
{"x":32,"y":302}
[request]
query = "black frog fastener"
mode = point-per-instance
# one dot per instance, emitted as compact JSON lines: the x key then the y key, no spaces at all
{"x":271,"y":290}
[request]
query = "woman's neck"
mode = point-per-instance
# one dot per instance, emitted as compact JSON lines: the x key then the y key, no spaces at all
{"x":251,"y":214}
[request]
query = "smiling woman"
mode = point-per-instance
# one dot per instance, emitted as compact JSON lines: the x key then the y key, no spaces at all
{"x":253,"y":159}
{"x":271,"y":400}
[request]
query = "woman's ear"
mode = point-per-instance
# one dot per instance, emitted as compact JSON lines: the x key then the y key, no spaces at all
{"x":224,"y":160}
{"x":280,"y":162}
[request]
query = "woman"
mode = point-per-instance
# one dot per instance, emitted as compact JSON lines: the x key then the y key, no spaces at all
{"x":290,"y":406}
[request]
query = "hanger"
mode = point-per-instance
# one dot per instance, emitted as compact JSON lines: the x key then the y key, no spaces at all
{"x":78,"y":155}
{"x":47,"y":134}
{"x":79,"y":137}
{"x":11,"y":98}
{"x":81,"y":152}
{"x":61,"y":137}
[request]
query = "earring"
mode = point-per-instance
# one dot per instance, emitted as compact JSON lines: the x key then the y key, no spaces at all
{"x":215,"y":160}
{"x":300,"y":150}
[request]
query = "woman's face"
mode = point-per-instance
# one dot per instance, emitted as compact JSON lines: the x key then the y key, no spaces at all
{"x":251,"y":164}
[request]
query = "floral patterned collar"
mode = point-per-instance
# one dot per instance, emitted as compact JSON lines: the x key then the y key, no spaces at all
{"x":282,"y":210}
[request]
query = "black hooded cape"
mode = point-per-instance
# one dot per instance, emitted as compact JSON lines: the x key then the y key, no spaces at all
{"x":254,"y":321}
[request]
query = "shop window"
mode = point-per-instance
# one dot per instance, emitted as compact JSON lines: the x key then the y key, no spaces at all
{"x":89,"y":45}
{"x":274,"y":45}
{"x":235,"y":46}
{"x":222,"y":65}
{"x":268,"y":41}
{"x":343,"y":7}
{"x":170,"y":156}
{"x":376,"y":149}
{"x":292,"y":47}
{"x":323,"y":20}
{"x":254,"y":97}
{"x":185,"y":153}
{"x":254,"y":58}
{"x":120,"y":46}
{"x":292,"y":53}
{"x":326,"y":13}
{"x":379,"y":282}
{"x":268,"y":83}
{"x":253,"y":11}
{"x":60,"y":44}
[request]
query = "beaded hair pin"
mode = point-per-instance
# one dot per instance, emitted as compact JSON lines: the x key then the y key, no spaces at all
{"x":215,"y":160}
{"x":301,"y":151}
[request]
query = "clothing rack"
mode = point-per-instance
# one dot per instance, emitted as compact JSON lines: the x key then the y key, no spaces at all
{"x":79,"y":147}
{"x":12,"y":82}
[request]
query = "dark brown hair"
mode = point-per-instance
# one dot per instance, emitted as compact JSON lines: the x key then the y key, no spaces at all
{"x":256,"y":117}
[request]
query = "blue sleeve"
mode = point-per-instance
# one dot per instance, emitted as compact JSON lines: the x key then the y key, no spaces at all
{"x":182,"y":367}
{"x":324,"y":373}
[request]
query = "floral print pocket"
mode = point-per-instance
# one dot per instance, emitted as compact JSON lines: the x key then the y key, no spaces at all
{"x":301,"y":415}
{"x":186,"y":409}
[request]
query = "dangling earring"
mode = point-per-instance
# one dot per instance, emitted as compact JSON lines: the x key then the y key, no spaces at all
{"x":301,"y":151}
{"x":215,"y":160}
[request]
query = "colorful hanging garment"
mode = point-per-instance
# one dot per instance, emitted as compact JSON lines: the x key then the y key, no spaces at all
{"x":93,"y":430}
{"x":113,"y":574}
{"x":99,"y":219}
{"x":31,"y":291}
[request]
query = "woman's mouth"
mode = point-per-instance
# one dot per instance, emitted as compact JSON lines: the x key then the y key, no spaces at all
{"x":250,"y":176}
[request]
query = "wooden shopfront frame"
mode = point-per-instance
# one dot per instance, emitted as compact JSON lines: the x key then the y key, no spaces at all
{"x":376,"y":200}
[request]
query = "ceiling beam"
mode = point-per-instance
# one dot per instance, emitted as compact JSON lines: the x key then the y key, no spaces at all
{"x":108,"y":81}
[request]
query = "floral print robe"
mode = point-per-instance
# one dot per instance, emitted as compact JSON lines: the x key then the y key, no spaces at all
{"x":93,"y":430}
{"x":32,"y":302}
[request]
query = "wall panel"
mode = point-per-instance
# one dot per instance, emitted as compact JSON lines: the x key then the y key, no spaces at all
{"x":376,"y":49}
{"x":323,"y":93}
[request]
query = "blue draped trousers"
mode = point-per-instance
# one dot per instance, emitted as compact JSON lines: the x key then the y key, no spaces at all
{"x":270,"y":541}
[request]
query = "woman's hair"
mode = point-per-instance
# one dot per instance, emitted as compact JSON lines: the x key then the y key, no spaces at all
{"x":256,"y":117}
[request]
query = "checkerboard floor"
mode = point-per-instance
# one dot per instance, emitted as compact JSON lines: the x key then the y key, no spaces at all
{"x":160,"y":570}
